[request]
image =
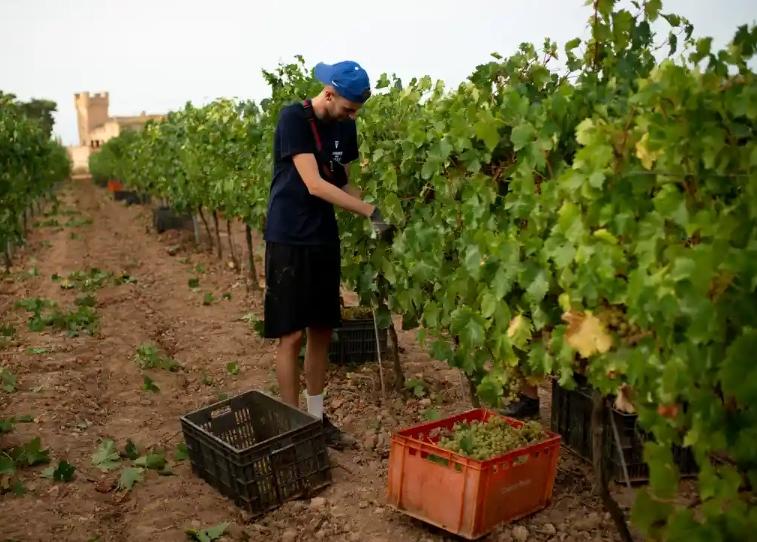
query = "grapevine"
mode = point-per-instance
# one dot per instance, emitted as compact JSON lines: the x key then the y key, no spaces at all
{"x":594,"y":216}
{"x":30,"y":164}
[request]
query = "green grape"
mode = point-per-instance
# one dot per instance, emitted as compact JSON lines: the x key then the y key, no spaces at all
{"x":484,"y":440}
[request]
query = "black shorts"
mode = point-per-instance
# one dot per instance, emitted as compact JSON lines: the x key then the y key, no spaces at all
{"x":302,"y":288}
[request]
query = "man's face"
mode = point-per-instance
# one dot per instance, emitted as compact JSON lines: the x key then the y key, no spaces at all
{"x":340,"y":108}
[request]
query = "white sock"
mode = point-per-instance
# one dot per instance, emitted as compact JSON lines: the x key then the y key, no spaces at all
{"x":315,"y":405}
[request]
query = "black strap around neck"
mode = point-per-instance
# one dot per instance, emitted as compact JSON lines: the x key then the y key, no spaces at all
{"x":310,"y":114}
{"x":325,"y":164}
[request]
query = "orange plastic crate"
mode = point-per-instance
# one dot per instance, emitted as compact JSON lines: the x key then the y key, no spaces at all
{"x":465,"y":496}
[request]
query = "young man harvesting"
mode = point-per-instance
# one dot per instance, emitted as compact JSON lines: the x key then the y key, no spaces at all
{"x":313,"y":143}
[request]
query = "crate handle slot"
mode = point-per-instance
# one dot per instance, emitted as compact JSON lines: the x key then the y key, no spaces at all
{"x":220,"y":412}
{"x":521,"y":459}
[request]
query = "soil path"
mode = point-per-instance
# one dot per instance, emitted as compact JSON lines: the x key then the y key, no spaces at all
{"x":83,"y":389}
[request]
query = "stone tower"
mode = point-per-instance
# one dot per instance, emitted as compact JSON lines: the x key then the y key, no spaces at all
{"x":91,"y":111}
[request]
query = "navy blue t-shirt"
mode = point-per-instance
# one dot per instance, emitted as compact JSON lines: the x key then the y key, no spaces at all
{"x":294,"y":216}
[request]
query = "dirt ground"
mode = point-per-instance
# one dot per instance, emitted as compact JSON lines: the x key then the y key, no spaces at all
{"x":83,"y":389}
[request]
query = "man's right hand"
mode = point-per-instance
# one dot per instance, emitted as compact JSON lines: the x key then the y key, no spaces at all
{"x":380,"y":226}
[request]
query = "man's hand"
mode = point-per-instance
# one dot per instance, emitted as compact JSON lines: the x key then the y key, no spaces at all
{"x":383,"y":230}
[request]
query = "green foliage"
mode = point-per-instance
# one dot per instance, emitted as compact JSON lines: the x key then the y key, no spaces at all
{"x":181,"y":453}
{"x":86,"y":281}
{"x":131,"y":451}
{"x":7,"y":380}
{"x":30,"y":454}
{"x":232,"y":368}
{"x":209,"y":534}
{"x":148,"y":384}
{"x":106,"y":457}
{"x":46,"y":313}
{"x":416,"y":386}
{"x":130,"y":476}
{"x":42,"y":112}
{"x":430,"y":414}
{"x":26,"y":455}
{"x":30,"y":162}
{"x":527,"y":201}
{"x":8,"y":424}
{"x":85,"y":301}
{"x":155,"y":461}
{"x":149,"y":356}
{"x":64,"y":472}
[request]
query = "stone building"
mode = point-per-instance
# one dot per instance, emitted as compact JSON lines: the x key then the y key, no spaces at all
{"x":96,"y":126}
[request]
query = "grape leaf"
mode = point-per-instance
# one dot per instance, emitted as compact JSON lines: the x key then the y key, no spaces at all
{"x":129,"y":476}
{"x":7,"y":465}
{"x":181,"y":452}
{"x":519,"y":331}
{"x":8,"y":380}
{"x":155,"y":461}
{"x":64,"y":472}
{"x":7,"y":425}
{"x":644,"y":154}
{"x":149,"y":384}
{"x":106,"y":457}
{"x":208,"y":535}
{"x":586,"y":333}
{"x":131,"y":450}
{"x":31,"y":453}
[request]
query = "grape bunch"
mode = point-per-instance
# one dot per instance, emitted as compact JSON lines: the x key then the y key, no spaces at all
{"x":615,"y":320}
{"x":356,"y":313}
{"x":483,"y":440}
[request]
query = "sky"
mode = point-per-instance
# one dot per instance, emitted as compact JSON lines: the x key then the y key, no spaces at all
{"x":155,"y":55}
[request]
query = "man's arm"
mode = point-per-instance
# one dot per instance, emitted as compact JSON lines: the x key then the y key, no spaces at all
{"x":341,"y":197}
{"x":350,"y":189}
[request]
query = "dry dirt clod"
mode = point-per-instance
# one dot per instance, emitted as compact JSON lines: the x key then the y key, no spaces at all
{"x":520,"y":533}
{"x":317,"y":503}
{"x":369,"y":440}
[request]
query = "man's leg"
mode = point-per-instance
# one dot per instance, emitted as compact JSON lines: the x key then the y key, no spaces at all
{"x":316,"y":363}
{"x":287,"y":371}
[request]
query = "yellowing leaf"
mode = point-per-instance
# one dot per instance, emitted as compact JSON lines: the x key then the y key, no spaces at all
{"x":519,"y":331}
{"x":643,"y":153}
{"x":623,"y":400}
{"x":586,"y":333}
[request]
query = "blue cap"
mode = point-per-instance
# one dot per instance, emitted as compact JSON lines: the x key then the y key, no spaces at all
{"x":348,"y":78}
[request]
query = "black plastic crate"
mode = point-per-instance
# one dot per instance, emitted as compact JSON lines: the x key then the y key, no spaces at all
{"x":130,"y":197}
{"x":571,"y":418}
{"x":165,"y":218}
{"x":257,"y":450}
{"x":355,"y":342}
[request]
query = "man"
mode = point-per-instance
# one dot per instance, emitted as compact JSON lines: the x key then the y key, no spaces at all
{"x":314,"y":142}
